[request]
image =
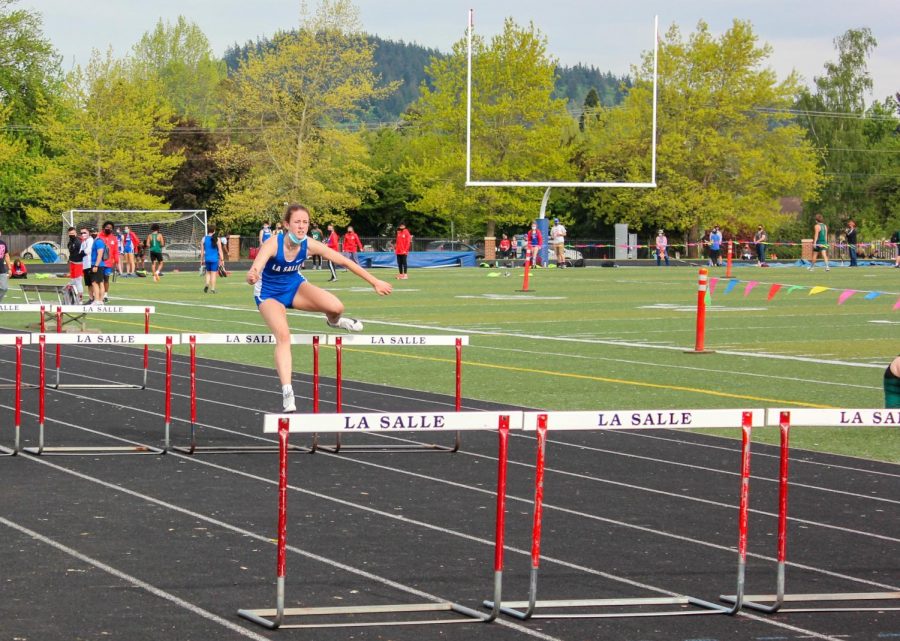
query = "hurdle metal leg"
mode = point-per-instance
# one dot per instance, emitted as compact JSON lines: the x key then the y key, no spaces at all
{"x":17,"y":417}
{"x":528,"y":609}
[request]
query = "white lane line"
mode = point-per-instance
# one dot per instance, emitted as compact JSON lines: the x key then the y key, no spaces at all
{"x":136,"y":582}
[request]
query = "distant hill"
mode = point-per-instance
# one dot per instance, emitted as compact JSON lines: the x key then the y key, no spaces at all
{"x":406,"y":62}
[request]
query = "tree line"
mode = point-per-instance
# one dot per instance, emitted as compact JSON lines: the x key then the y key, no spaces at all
{"x":368,"y":130}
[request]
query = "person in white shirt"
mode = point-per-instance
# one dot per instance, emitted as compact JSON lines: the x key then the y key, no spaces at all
{"x":87,"y":243}
{"x":558,"y":240}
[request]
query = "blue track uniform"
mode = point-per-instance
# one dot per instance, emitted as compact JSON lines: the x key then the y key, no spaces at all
{"x":210,"y":253}
{"x":280,"y":278}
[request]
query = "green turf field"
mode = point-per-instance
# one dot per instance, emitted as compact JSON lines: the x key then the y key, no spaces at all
{"x":587,"y":338}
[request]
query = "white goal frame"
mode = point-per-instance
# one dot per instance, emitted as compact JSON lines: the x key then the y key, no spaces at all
{"x":141,"y":217}
{"x":512,"y":183}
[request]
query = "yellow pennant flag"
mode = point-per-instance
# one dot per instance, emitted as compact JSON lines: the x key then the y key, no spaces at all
{"x":818,"y":289}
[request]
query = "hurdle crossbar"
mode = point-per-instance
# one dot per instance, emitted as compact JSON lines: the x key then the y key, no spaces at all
{"x":541,"y":422}
{"x":195,"y":339}
{"x":17,"y":340}
{"x":393,"y":340}
{"x":101,"y":309}
{"x":784,"y":419}
{"x":100,"y":339}
{"x":401,"y":422}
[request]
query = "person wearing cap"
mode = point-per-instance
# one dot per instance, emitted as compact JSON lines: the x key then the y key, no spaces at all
{"x":402,"y":245}
{"x":662,"y":248}
{"x":558,"y":240}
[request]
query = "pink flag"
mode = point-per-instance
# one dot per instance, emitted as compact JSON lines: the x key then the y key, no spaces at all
{"x":773,"y":290}
{"x":897,"y":305}
{"x":847,"y":293}
{"x":712,"y":285}
{"x":750,"y":286}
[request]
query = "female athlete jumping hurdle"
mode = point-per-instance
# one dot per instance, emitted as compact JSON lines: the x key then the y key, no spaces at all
{"x":278,"y":284}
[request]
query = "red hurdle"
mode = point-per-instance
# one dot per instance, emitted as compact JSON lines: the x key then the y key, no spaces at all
{"x":192,"y":340}
{"x":17,"y":340}
{"x":612,"y":420}
{"x":393,"y":340}
{"x":273,"y":618}
{"x":771,"y":603}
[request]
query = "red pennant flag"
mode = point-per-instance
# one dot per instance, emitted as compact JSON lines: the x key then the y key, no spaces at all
{"x":773,"y":290}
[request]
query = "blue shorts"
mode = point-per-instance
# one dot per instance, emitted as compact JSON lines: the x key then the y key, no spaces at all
{"x":211,"y":265}
{"x":285,"y":297}
{"x":107,"y":271}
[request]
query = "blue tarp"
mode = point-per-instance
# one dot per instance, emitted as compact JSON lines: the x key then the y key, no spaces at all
{"x":418,"y":259}
{"x":46,"y":253}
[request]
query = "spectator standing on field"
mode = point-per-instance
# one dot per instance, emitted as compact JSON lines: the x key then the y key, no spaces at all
{"x":211,"y":257}
{"x":76,"y":257}
{"x":852,"y":240}
{"x":820,"y":242}
{"x":111,"y":240}
{"x":402,"y":245}
{"x":352,"y":244}
{"x":895,"y":241}
{"x":155,"y":242}
{"x":558,"y":240}
{"x":98,"y":249}
{"x":5,"y":265}
{"x":505,"y":247}
{"x":534,"y":240}
{"x":760,"y":238}
{"x":130,"y":244}
{"x":662,"y":248}
{"x":333,"y":242}
{"x":86,"y":249}
{"x":316,"y":234}
{"x":715,"y":247}
{"x":264,"y":234}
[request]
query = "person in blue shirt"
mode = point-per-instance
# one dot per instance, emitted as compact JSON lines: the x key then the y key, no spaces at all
{"x":278,"y":286}
{"x":211,"y":257}
{"x":715,"y":247}
{"x":98,"y":249}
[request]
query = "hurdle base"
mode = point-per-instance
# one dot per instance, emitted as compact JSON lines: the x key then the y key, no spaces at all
{"x":262,"y":616}
{"x":757,"y":601}
{"x":89,"y":386}
{"x":115,"y":450}
{"x":514,"y":608}
{"x":339,"y":447}
{"x":701,"y":351}
{"x":8,"y":451}
{"x":233,"y":449}
{"x":24,"y":386}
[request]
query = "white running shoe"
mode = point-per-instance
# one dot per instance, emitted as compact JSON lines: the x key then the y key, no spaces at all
{"x":349,"y":324}
{"x":287,"y":402}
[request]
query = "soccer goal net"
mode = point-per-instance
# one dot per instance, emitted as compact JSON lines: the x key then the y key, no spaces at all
{"x":176,"y":225}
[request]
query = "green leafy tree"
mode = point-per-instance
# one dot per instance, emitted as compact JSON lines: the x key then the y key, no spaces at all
{"x":289,"y":96}
{"x":858,"y":143}
{"x":179,"y":58}
{"x":727,"y":149}
{"x":105,"y":138}
{"x":519,"y":131}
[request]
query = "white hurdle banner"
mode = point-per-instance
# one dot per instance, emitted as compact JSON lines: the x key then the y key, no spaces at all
{"x":785,"y":418}
{"x":607,"y":420}
{"x":17,"y":340}
{"x":283,"y":424}
{"x":339,"y":341}
{"x":101,"y":339}
{"x":193,"y":339}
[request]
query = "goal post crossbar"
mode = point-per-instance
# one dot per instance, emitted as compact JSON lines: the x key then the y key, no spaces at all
{"x":500,"y":183}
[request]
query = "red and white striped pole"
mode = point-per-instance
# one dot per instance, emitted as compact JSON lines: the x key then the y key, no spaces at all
{"x":702,"y":285}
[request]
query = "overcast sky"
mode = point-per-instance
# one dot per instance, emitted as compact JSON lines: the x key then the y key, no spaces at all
{"x":609,"y":36}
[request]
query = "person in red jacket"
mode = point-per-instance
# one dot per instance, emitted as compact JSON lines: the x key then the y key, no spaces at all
{"x":109,"y":266}
{"x":402,"y":245}
{"x":333,"y":242}
{"x":352,"y":244}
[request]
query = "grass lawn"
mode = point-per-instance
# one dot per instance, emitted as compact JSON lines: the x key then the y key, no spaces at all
{"x":587,"y":338}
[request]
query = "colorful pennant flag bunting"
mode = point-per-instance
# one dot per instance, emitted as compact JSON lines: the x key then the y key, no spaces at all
{"x":872,"y":295}
{"x":773,"y":290}
{"x":731,"y":285}
{"x":750,"y":286}
{"x":818,"y":289}
{"x":847,"y":293}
